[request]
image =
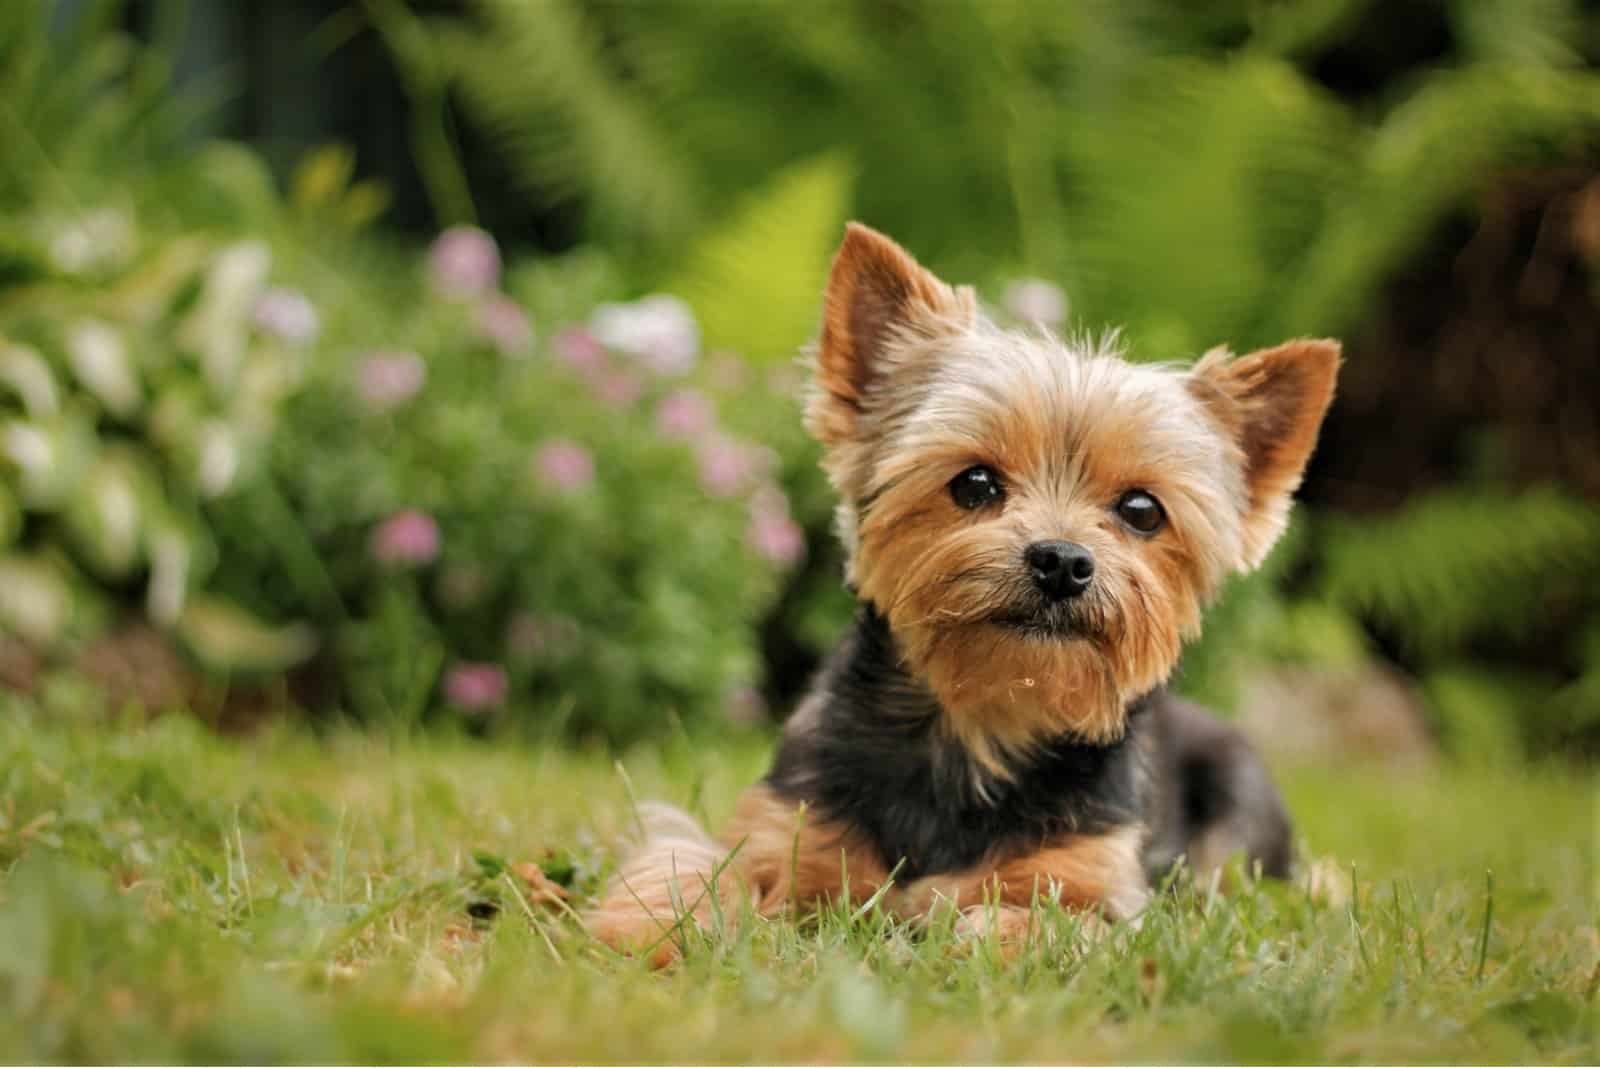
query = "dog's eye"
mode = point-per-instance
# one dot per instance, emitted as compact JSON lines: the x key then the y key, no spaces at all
{"x":1141,"y":511}
{"x":976,"y":487}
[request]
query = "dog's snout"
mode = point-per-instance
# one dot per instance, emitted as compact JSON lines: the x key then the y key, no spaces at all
{"x":1061,"y":569}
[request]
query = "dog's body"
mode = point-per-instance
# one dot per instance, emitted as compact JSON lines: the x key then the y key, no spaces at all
{"x":1033,"y":529}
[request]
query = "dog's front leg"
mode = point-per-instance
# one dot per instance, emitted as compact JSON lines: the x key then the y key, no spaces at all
{"x":1101,"y":875}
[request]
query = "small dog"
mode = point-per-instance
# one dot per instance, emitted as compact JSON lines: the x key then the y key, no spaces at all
{"x":1032,"y":531}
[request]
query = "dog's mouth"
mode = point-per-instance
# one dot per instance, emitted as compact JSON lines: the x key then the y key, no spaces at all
{"x":1052,"y":624}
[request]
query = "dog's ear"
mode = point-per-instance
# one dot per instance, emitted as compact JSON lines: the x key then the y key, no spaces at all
{"x":1271,"y":403}
{"x":877,"y":295}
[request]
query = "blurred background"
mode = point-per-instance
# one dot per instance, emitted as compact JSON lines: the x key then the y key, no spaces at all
{"x":435,"y":361}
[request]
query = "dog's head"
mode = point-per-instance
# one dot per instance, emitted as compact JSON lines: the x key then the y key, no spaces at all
{"x":1041,"y":522}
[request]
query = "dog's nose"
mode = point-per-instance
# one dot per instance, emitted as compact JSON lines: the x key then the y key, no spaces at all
{"x":1061,"y":569}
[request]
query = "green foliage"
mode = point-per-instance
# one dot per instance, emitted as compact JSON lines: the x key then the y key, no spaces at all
{"x":179,"y":438}
{"x":544,"y":86}
{"x":1184,"y":173}
{"x":1457,"y":565}
{"x":753,"y":279}
{"x":80,"y":103}
{"x":134,"y":394}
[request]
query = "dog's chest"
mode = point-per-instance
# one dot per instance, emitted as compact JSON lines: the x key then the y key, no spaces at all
{"x":917,"y":802}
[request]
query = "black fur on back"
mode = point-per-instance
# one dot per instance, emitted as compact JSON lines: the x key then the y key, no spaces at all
{"x":867,"y":751}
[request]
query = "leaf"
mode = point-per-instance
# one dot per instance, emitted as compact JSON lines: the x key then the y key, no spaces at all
{"x":226,"y":638}
{"x":36,"y":599}
{"x":1457,"y":563}
{"x":489,"y":865}
{"x":756,"y":280}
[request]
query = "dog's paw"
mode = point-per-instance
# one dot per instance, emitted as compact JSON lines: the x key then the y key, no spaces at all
{"x":1012,"y":928}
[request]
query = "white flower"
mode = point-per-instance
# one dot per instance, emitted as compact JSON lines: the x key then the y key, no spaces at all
{"x":658,"y":331}
{"x":1036,"y":301}
{"x":34,"y":601}
{"x":100,"y":360}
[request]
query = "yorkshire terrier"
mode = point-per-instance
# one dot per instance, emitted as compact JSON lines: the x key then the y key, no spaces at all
{"x":1033,"y":528}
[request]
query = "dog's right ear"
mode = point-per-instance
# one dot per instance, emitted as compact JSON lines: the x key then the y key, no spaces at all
{"x":877,"y":295}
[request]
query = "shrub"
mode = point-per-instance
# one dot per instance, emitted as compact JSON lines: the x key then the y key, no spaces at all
{"x":136,"y":391}
{"x":497,"y":515}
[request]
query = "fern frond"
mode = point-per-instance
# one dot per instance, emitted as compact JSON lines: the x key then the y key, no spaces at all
{"x":1542,"y":32}
{"x":1461,"y":563}
{"x":1194,"y":193}
{"x":1421,"y":162}
{"x":538,"y":78}
{"x":753,"y":280}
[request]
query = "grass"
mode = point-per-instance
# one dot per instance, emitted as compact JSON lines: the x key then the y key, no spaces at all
{"x":169,"y":895}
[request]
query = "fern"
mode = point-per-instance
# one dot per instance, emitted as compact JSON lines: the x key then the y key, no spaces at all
{"x":537,"y":77}
{"x":753,"y":280}
{"x":1421,"y":162}
{"x":1461,"y":563}
{"x":80,"y":105}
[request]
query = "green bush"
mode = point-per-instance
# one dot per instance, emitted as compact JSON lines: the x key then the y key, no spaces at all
{"x":452,"y":508}
{"x":455,"y":498}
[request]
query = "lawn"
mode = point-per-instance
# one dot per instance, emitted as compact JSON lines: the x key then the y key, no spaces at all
{"x":169,"y":894}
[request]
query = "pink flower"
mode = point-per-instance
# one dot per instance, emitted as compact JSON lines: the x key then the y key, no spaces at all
{"x":406,"y":539}
{"x":684,"y":413}
{"x":386,"y":380}
{"x":475,"y":686}
{"x":502,"y":321}
{"x":287,"y":315}
{"x":617,"y":389}
{"x":1036,"y":301}
{"x":728,"y":466}
{"x":776,"y":538}
{"x":578,"y":349}
{"x":658,"y":331}
{"x":464,"y":262}
{"x":564,"y":465}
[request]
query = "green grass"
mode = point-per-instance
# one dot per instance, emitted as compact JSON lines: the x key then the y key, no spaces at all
{"x":171,"y":895}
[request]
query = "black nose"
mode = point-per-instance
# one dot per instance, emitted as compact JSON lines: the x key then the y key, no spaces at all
{"x":1061,"y":569}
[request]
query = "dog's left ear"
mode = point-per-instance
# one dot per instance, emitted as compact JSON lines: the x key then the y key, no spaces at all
{"x":1271,"y":402}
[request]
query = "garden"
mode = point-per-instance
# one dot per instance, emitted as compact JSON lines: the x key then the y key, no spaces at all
{"x":402,"y":478}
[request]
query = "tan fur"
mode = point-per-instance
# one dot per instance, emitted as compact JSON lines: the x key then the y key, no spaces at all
{"x":782,"y":860}
{"x":677,"y":871}
{"x":1091,"y":872}
{"x":773,"y":855}
{"x":788,"y":856}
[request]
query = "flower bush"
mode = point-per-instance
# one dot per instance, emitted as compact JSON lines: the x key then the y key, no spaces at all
{"x":428,"y":483}
{"x":486,"y":515}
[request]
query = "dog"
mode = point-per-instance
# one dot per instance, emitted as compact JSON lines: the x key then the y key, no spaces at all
{"x":1033,"y":528}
